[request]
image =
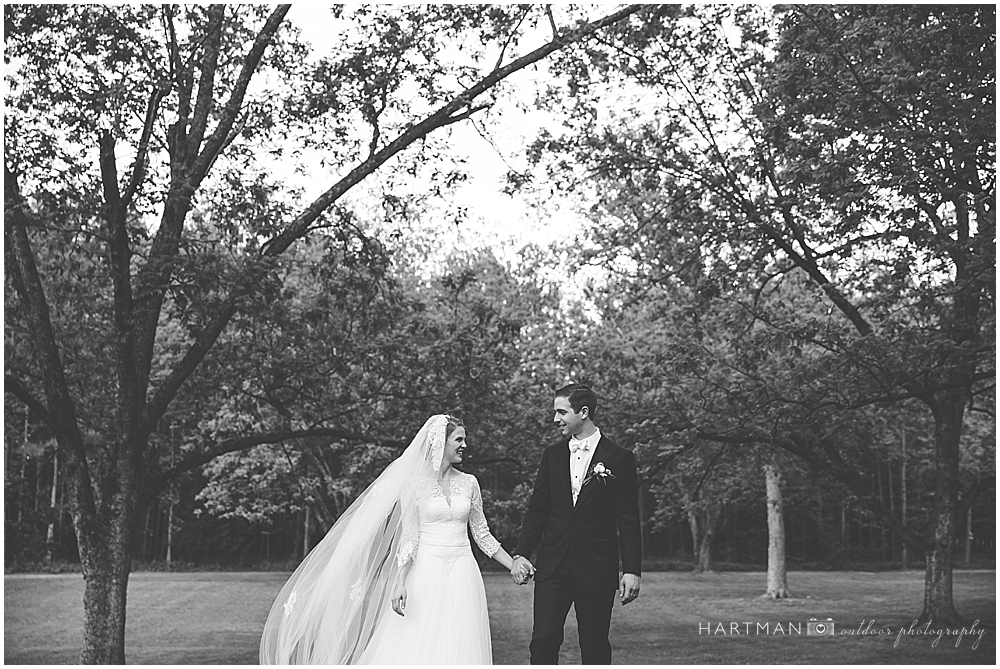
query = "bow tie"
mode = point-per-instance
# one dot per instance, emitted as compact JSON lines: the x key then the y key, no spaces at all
{"x":579,"y":445}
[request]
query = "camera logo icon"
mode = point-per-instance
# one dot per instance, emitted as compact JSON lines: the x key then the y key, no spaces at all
{"x":820,"y":627}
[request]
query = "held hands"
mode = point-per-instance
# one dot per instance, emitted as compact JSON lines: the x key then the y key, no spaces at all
{"x":521,"y":570}
{"x":628,"y":588}
{"x":399,"y":598}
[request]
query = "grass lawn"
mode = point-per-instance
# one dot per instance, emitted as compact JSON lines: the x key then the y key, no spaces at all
{"x":217,"y":617}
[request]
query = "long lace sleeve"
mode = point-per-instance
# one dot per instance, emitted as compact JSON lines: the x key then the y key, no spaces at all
{"x":477,"y":521}
{"x":410,"y":525}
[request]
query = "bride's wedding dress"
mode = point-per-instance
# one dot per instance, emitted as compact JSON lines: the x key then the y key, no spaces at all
{"x":446,"y":620}
{"x":336,"y":607}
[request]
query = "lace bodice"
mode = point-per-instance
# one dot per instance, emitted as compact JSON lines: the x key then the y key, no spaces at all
{"x":430,"y":517}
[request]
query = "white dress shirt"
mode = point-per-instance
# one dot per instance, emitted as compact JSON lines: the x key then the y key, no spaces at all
{"x":579,"y":461}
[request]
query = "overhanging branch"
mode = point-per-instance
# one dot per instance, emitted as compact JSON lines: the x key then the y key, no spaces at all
{"x":196,"y":460}
{"x":438,"y":119}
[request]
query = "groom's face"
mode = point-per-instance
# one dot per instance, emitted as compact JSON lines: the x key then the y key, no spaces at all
{"x":568,"y":421}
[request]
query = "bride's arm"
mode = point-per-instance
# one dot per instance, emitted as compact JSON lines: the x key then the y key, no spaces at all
{"x":481,"y":530}
{"x":504,"y":558}
{"x":398,"y":600}
{"x":407,"y":546}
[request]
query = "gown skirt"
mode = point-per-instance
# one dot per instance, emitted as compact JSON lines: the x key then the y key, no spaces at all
{"x":446,"y":619}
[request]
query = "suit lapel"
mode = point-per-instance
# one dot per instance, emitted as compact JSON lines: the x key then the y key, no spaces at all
{"x":601,"y":454}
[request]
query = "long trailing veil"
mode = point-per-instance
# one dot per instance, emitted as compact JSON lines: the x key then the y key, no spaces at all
{"x":328,"y":610}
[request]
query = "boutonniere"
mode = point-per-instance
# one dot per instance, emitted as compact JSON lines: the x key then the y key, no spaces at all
{"x":601,"y":472}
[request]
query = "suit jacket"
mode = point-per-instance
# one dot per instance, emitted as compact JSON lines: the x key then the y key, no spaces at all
{"x":603,"y":524}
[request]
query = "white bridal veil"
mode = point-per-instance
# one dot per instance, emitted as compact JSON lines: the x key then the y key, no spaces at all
{"x":328,"y":610}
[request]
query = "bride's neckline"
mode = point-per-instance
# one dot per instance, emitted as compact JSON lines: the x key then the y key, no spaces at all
{"x":439,"y":482}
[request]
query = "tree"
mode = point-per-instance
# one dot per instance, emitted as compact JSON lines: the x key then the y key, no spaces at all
{"x":937,"y":170}
{"x":186,"y":96}
{"x":854,"y":149}
{"x":777,"y":577}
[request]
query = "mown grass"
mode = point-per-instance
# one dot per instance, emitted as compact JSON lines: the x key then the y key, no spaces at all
{"x":216,"y":618}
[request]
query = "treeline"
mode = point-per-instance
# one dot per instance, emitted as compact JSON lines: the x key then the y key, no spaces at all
{"x":825,"y":529}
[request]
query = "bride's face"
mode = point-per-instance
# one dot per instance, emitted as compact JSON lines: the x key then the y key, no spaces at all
{"x":454,"y":446}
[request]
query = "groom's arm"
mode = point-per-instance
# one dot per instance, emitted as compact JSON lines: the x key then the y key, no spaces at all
{"x":629,"y":532}
{"x":537,"y":515}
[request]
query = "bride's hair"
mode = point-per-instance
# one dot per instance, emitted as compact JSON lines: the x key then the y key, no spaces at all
{"x":453,"y":422}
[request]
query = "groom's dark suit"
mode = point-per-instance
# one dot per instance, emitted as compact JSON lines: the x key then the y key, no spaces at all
{"x":578,"y":548}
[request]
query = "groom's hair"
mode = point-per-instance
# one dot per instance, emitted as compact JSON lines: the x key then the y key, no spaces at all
{"x":579,"y":396}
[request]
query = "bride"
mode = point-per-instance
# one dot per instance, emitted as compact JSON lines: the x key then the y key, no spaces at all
{"x":395,"y":581}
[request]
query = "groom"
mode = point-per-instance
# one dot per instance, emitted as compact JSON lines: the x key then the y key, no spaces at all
{"x":583,"y":512}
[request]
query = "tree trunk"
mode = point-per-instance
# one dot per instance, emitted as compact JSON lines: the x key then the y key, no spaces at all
{"x":105,"y":526}
{"x":902,"y":496}
{"x":777,"y":577}
{"x":170,"y":532}
{"x":104,"y":610}
{"x":843,"y":526}
{"x":702,"y":517}
{"x":50,"y":534}
{"x":892,"y":507}
{"x":145,"y":533}
{"x":881,"y":499}
{"x":968,"y":536}
{"x":939,"y":605}
{"x":106,"y":562}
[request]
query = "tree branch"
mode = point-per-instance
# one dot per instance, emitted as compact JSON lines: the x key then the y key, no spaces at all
{"x":708,"y":472}
{"x":206,"y":83}
{"x":215,"y":143}
{"x":139,"y":168}
{"x":969,"y":497}
{"x":196,"y":460}
{"x":13,"y":385}
{"x":836,"y":467}
{"x":61,"y":407}
{"x":442,"y":117}
{"x":458,"y":108}
{"x":552,"y":22}
{"x":834,"y":45}
{"x":156,"y":275}
{"x":165,"y":394}
{"x":510,"y":37}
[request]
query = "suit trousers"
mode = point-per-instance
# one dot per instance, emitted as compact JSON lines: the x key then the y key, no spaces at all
{"x":553,"y":597}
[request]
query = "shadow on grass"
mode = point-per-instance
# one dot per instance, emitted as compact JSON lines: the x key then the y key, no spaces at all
{"x":216,"y":618}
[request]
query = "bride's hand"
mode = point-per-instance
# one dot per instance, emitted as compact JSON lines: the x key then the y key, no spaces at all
{"x":399,"y":598}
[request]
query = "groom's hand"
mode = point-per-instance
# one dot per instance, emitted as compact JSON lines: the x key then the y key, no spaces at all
{"x":629,"y":588}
